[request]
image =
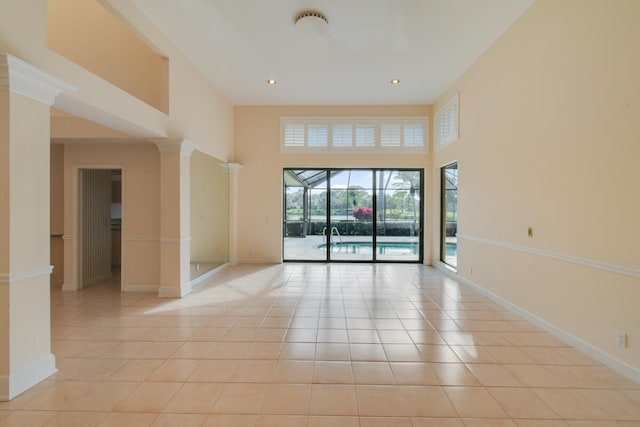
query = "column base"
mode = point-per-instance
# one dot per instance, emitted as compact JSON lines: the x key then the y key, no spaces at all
{"x":19,"y":382}
{"x":174,"y":291}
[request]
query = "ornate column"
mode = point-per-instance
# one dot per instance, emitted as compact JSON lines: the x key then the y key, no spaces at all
{"x":26,"y":93}
{"x":175,"y":218}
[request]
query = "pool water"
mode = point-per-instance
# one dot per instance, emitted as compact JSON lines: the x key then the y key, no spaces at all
{"x":364,"y":248}
{"x":386,"y":248}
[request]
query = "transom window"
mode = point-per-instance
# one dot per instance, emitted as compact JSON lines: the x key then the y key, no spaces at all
{"x":354,"y":133}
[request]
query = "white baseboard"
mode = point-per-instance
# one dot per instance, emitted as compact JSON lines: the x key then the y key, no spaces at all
{"x":206,"y":276}
{"x":258,"y":261}
{"x":174,"y":291}
{"x":208,"y":260}
{"x":68,"y":287}
{"x":612,"y":362}
{"x":14,"y":384}
{"x":139,"y":288}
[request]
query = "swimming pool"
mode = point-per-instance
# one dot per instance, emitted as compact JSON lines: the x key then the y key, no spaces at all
{"x":384,"y":248}
{"x":366,"y":248}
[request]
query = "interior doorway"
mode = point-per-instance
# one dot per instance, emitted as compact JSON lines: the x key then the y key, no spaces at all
{"x":353,"y":215}
{"x":100,"y":225}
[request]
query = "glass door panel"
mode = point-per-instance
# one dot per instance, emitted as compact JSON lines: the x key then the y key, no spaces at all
{"x":449,"y":215}
{"x":351,"y":231}
{"x":398,"y":204}
{"x":352,"y":215}
{"x":305,"y":215}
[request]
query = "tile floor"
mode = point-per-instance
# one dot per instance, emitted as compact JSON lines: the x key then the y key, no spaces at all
{"x":314,"y":345}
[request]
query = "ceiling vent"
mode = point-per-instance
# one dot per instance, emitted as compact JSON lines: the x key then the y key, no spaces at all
{"x":311,"y":22}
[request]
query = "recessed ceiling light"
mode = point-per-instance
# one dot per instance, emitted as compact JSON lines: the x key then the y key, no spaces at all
{"x":395,"y":81}
{"x":272,"y":82}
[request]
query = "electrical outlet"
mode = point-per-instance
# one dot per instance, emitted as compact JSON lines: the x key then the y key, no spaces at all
{"x":530,"y":231}
{"x":621,"y":338}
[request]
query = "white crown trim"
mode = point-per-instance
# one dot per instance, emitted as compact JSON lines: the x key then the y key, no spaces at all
{"x":23,"y":78}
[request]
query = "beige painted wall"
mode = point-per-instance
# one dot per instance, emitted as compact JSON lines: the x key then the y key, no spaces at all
{"x":56,"y":201}
{"x":549,"y":126}
{"x":209,"y":211}
{"x":197,"y":111}
{"x":257,"y":149}
{"x":140,"y":206}
{"x":86,"y":33}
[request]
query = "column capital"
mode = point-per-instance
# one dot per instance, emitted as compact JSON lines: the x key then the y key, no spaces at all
{"x":23,"y":78}
{"x":182,"y":146}
{"x":232,"y":168}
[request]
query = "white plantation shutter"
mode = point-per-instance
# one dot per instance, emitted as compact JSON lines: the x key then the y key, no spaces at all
{"x":317,"y":135}
{"x":390,"y":134}
{"x":446,"y":122}
{"x":365,"y":135}
{"x":294,"y":135}
{"x":355,"y":133}
{"x":414,"y":135}
{"x":342,"y":135}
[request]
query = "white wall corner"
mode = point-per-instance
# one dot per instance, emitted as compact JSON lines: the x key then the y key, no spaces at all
{"x":174,"y":291}
{"x":17,"y":383}
{"x":23,"y":78}
{"x":182,"y":146}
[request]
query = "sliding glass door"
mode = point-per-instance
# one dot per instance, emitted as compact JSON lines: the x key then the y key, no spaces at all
{"x":358,"y":215}
{"x":449,"y":215}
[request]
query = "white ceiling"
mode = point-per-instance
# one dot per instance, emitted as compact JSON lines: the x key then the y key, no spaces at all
{"x":427,"y":44}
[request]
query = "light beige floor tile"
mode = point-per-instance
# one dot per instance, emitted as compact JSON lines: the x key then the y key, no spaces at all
{"x":123,"y":419}
{"x":182,"y":420}
{"x":329,"y":421}
{"x":214,"y":371}
{"x":540,"y":423}
{"x":27,"y":418}
{"x":385,"y":422}
{"x":281,"y":421}
{"x":367,"y":352}
{"x":569,"y":404}
{"x":68,"y":419}
{"x":333,"y":399}
{"x":223,"y":420}
{"x":438,"y":353}
{"x":195,"y":398}
{"x":287,"y":399}
{"x":535,"y":376}
{"x":175,"y":370}
{"x":241,"y":398}
{"x":332,"y":373}
{"x":522,"y":403}
{"x":136,"y":370}
{"x":426,"y":401}
{"x":474,"y":402}
{"x":298,"y":351}
{"x":437,"y":422}
{"x":372,"y":373}
{"x":413,"y":373}
{"x":332,"y":351}
{"x":493,"y":375}
{"x":453,"y":374}
{"x":253,"y":371}
{"x":293,"y":371}
{"x":479,"y":422}
{"x":613,"y":403}
{"x":103,"y":396}
{"x":379,"y":400}
{"x":149,"y":397}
